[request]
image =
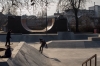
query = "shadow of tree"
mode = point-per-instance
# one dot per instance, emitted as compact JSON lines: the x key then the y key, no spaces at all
{"x":52,"y":58}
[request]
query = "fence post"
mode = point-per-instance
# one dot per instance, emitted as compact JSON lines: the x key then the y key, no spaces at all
{"x":96,"y":60}
{"x":90,"y":62}
{"x":90,"y":59}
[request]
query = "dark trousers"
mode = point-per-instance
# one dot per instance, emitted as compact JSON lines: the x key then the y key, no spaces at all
{"x":41,"y":49}
{"x":7,"y":41}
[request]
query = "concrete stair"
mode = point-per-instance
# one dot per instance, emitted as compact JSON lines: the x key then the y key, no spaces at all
{"x":94,"y":38}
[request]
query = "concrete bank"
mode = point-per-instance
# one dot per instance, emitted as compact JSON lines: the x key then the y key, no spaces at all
{"x":25,"y":55}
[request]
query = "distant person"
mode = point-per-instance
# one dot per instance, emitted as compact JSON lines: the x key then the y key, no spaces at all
{"x":8,"y":37}
{"x":7,"y":52}
{"x":43,"y":44}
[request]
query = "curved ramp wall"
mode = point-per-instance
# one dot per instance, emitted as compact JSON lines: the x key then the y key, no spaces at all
{"x":49,"y":26}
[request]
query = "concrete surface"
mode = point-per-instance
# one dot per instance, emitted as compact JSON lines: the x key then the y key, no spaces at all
{"x":55,"y":55}
{"x":25,"y":55}
{"x":69,"y":56}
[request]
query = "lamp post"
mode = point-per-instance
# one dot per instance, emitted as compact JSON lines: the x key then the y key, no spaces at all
{"x":32,"y":5}
{"x":46,"y":15}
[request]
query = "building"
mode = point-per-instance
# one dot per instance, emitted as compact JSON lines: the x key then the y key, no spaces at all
{"x":70,"y":15}
{"x":96,"y":9}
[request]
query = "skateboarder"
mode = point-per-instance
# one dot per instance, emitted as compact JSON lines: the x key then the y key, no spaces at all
{"x":43,"y":44}
{"x":8,"y":37}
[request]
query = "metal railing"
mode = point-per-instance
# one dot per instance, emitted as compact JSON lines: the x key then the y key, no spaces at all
{"x":90,"y":59}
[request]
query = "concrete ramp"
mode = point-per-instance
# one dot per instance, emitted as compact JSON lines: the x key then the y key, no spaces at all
{"x":25,"y":55}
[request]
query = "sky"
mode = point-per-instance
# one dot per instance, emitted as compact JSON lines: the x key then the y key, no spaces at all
{"x":91,"y":3}
{"x":52,"y":9}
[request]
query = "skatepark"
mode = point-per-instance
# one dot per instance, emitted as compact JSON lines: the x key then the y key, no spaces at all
{"x":71,"y":32}
{"x":67,"y":52}
{"x":64,"y":48}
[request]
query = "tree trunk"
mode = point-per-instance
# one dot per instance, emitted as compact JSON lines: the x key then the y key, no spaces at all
{"x":76,"y":18}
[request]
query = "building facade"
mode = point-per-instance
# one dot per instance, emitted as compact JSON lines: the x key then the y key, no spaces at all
{"x":96,"y":10}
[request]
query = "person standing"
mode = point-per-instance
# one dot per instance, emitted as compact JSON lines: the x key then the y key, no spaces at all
{"x":8,"y":37}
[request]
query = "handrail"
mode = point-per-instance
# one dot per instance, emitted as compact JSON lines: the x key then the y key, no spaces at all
{"x":94,"y":56}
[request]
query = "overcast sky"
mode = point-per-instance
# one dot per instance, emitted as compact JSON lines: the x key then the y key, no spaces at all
{"x":52,"y":9}
{"x":91,"y":3}
{"x":97,"y":2}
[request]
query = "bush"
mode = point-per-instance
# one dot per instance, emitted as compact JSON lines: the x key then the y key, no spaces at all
{"x":98,"y":28}
{"x":83,"y":28}
{"x":86,"y":29}
{"x":73,"y":28}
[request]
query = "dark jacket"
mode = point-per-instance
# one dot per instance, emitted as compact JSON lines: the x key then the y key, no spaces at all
{"x":8,"y":52}
{"x":43,"y":43}
{"x":8,"y":35}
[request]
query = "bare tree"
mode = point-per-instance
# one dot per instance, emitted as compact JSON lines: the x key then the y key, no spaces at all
{"x":41,"y":5}
{"x":75,"y":5}
{"x":11,"y":6}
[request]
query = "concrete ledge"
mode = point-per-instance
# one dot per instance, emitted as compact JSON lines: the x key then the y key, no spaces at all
{"x":94,"y":38}
{"x":98,"y":35}
{"x":66,"y":36}
{"x":90,"y":38}
{"x":84,"y":36}
{"x":47,"y":37}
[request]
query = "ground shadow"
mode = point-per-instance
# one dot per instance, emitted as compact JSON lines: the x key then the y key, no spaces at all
{"x":52,"y":58}
{"x":2,"y":49}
